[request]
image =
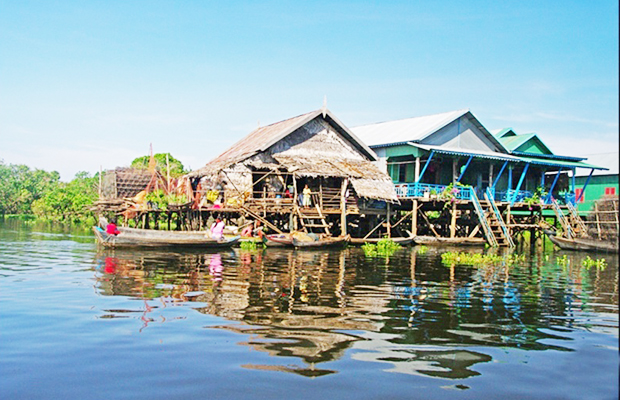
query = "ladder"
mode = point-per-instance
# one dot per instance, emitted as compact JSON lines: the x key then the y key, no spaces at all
{"x":566,"y":226}
{"x":308,"y":218}
{"x":578,"y":225}
{"x":482,"y":216}
{"x":496,"y":221}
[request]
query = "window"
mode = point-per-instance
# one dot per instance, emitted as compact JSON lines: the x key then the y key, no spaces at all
{"x":610,"y":191}
{"x":578,"y":195}
{"x":402,"y":173}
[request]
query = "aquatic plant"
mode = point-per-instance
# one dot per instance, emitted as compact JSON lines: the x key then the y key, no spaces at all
{"x":599,"y":263}
{"x":384,"y":248}
{"x":478,"y":259}
{"x":562,"y":261}
{"x":251,"y":245}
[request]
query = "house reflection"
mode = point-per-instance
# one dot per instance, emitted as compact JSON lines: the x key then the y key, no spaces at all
{"x":307,"y":308}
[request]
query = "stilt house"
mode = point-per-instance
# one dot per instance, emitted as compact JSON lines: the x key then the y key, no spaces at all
{"x":265,"y":174}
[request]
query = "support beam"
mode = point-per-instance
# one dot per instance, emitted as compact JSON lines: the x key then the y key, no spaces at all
{"x":465,"y":169}
{"x":430,"y":156}
{"x":583,"y":190}
{"x":499,"y":175}
{"x":548,"y":198}
{"x":514,"y":196}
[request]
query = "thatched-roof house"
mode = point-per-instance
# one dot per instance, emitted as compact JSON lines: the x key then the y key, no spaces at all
{"x":301,"y":150}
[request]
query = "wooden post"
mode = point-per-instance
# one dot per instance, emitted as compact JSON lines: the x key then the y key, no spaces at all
{"x":343,"y":207}
{"x":414,"y":218}
{"x":417,"y":169}
{"x":100,"y":174}
{"x":168,"y":174}
{"x":453,"y":221}
{"x":389,"y":229}
{"x":598,"y":225}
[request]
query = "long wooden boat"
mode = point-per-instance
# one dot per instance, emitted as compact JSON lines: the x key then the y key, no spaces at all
{"x":279,"y":240}
{"x":321,"y":243}
{"x":460,"y":241}
{"x":583,"y":244}
{"x":133,"y":237}
{"x":403,"y":241}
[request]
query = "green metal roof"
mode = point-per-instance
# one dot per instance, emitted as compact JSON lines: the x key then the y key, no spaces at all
{"x":559,"y":163}
{"x":512,"y":143}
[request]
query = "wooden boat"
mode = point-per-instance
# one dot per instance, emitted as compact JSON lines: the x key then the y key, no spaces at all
{"x":403,"y":241}
{"x":460,"y":241}
{"x":133,"y":237}
{"x":279,"y":240}
{"x":322,"y":242}
{"x":583,"y":244}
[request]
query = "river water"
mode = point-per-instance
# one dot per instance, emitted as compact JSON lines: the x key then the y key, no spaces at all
{"x":78,"y":322}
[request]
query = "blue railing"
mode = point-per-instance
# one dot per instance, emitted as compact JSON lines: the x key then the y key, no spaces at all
{"x":429,"y":189}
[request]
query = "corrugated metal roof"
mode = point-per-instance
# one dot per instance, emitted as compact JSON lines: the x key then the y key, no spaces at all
{"x":405,"y":130}
{"x":608,"y":160}
{"x":492,"y":155}
{"x":559,"y":163}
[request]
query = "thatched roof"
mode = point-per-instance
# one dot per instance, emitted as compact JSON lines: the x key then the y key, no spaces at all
{"x":311,"y":158}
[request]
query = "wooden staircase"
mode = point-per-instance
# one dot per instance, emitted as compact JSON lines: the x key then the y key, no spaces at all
{"x":572,"y":224}
{"x":493,"y":225}
{"x":579,"y":227}
{"x":312,"y":218}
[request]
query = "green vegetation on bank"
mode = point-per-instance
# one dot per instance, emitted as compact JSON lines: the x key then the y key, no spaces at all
{"x":40,"y":194}
{"x":28,"y":194}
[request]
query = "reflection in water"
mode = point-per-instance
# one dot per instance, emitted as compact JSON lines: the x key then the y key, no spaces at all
{"x":413,"y":312}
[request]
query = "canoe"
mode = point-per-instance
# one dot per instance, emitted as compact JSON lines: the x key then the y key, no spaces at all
{"x":279,"y":240}
{"x":583,"y":244}
{"x":403,"y":241}
{"x":133,"y":237}
{"x":460,"y":241}
{"x":321,"y":243}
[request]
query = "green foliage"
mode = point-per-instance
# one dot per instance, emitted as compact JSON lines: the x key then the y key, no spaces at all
{"x":536,"y":198}
{"x":68,"y":202}
{"x":599,"y":263}
{"x":384,"y":248}
{"x":251,"y":245}
{"x":422,"y":250}
{"x":159,"y":200}
{"x":477,"y":259}
{"x":176,"y":167}
{"x":433,"y":214}
{"x":20,"y":187}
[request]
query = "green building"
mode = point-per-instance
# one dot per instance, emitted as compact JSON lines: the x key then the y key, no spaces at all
{"x":591,"y":185}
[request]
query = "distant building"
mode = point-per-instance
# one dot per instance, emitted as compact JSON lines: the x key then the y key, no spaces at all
{"x":600,"y":183}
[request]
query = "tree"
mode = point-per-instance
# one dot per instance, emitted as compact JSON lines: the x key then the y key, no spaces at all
{"x":176,"y":167}
{"x":20,"y":187}
{"x":68,"y":202}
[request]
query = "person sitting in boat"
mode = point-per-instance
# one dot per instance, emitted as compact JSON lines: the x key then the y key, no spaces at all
{"x":248,"y":230}
{"x":217,"y":229}
{"x":112,"y":229}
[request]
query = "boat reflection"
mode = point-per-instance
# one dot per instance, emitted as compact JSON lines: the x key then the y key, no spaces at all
{"x":306,"y":309}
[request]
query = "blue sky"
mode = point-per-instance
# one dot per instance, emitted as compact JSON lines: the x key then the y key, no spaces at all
{"x":86,"y":85}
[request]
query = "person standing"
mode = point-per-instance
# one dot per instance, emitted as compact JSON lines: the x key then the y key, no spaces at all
{"x":306,"y":196}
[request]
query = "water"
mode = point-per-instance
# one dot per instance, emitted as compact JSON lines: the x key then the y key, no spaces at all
{"x":81,"y":323}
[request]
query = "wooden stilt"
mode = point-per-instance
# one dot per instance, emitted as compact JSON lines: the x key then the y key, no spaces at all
{"x":414,"y":218}
{"x":453,"y":221}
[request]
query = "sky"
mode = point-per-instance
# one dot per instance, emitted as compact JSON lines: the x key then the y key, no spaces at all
{"x":90,"y":85}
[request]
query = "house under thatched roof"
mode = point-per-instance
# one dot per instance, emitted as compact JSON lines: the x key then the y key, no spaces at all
{"x":311,"y":145}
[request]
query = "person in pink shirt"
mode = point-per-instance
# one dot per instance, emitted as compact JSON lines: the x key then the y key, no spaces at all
{"x":217,"y":229}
